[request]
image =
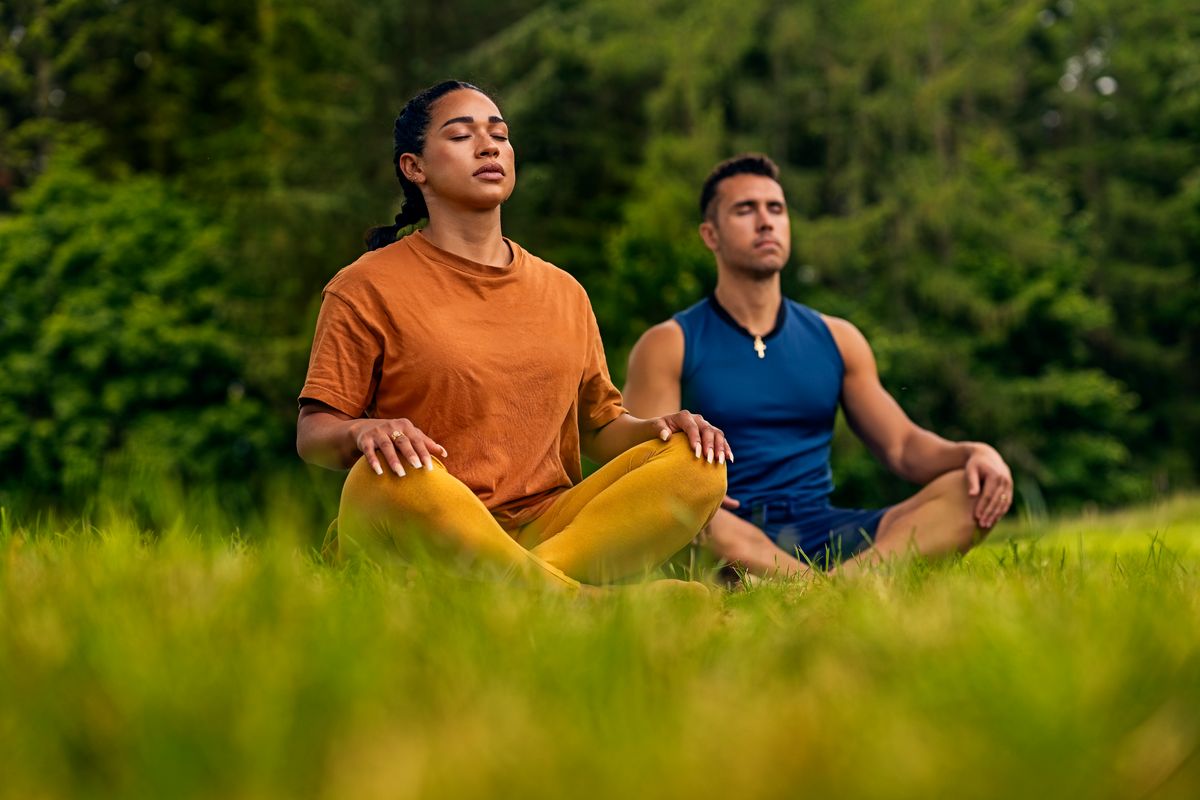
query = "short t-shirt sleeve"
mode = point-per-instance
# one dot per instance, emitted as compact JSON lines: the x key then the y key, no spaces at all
{"x":599,"y":401}
{"x":343,"y":369}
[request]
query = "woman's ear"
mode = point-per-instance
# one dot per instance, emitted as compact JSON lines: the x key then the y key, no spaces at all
{"x":411,"y":168}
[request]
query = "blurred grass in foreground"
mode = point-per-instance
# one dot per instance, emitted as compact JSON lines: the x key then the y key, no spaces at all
{"x":1059,"y":660}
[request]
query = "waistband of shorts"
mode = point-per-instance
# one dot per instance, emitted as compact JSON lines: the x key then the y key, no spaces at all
{"x":782,"y":505}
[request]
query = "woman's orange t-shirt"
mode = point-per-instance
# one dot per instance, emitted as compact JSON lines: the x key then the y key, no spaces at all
{"x":500,"y":365}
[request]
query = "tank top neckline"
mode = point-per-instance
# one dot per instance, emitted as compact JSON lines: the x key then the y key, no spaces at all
{"x":725,"y":316}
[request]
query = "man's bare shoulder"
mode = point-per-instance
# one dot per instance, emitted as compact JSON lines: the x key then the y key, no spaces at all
{"x":655,"y":368}
{"x":663,"y":335}
{"x":659,"y":348}
{"x":850,"y":341}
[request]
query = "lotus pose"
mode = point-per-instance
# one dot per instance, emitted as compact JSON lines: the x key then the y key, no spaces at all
{"x":772,"y":372}
{"x":459,"y":377}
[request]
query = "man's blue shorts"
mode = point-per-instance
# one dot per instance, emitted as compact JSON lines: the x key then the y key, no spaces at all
{"x":818,"y":532}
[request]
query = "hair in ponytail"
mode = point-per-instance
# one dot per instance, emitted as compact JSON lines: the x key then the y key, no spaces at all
{"x":408,"y":136}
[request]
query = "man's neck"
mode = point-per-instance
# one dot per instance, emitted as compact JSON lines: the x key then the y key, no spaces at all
{"x":474,"y":236}
{"x":753,"y":303}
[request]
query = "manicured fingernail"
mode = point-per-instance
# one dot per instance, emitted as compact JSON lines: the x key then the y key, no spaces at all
{"x":710,"y":455}
{"x":428,"y":463}
{"x":416,"y":462}
{"x":378,"y":469}
{"x":399,"y":470}
{"x":697,"y":450}
{"x":720,"y":458}
{"x":664,"y":435}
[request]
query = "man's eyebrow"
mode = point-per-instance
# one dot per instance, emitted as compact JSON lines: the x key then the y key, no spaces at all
{"x":753,"y":201}
{"x":471,"y":120}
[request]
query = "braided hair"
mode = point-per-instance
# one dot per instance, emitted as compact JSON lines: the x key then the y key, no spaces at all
{"x":408,"y":136}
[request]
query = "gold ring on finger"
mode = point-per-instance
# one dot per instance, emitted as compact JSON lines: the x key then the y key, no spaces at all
{"x":397,"y":436}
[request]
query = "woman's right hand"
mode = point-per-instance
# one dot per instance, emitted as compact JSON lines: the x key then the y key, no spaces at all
{"x":394,"y":439}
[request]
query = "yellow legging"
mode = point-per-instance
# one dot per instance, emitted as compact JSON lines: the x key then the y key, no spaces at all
{"x":627,"y":517}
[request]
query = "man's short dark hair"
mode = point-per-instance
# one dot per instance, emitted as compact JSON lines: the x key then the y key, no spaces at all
{"x":744,"y":164}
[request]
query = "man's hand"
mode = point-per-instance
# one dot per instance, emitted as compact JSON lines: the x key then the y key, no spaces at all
{"x":990,"y":481}
{"x":705,"y":438}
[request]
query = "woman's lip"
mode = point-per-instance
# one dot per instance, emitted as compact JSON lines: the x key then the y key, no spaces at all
{"x":490,"y":170}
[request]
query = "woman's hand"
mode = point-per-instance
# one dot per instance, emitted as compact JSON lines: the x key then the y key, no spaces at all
{"x":706,"y":439}
{"x":394,"y":439}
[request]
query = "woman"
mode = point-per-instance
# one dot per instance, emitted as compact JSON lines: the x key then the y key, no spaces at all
{"x":474,"y":372}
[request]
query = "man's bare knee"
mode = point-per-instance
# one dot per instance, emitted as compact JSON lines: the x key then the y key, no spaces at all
{"x":727,"y":541}
{"x":952,"y":493}
{"x":737,"y":541}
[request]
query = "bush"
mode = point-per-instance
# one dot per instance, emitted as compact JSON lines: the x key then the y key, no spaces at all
{"x":117,"y":345}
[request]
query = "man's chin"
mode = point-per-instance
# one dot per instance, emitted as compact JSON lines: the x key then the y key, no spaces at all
{"x":760,"y":271}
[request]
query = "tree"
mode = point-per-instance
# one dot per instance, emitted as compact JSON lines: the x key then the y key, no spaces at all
{"x":115,"y":343}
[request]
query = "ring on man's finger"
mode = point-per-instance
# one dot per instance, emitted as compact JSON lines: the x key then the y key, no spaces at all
{"x":397,"y":436}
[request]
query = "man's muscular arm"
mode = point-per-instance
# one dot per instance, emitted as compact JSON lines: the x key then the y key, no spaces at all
{"x":655,"y":368}
{"x":913,"y":453}
{"x":654,"y":411}
{"x":652,"y":385}
{"x":652,"y":388}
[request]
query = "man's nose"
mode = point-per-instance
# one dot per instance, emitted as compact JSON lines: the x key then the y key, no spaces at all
{"x":764,"y":221}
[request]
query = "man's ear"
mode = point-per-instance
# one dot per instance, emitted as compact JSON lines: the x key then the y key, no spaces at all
{"x":709,"y":235}
{"x":412,"y":168}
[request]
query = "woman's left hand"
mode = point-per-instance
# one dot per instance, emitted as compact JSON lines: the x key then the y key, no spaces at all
{"x":705,"y":438}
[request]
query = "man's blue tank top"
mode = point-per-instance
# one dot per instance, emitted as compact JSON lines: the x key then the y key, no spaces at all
{"x":776,"y":411}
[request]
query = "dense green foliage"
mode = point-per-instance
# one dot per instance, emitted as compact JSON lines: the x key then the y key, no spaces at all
{"x":188,"y":666}
{"x":115,"y":340}
{"x":1005,"y":196}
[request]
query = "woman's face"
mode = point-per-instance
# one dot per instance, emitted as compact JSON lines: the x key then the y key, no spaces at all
{"x":468,"y":161}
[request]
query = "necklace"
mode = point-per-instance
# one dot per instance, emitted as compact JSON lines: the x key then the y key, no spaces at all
{"x":757,"y":339}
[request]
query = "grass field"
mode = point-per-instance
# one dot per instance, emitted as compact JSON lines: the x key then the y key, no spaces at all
{"x":1058,"y":660}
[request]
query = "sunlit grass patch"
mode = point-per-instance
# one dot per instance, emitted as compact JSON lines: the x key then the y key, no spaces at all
{"x":186,"y":662}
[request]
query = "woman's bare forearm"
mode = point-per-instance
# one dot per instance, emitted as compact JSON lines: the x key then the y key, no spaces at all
{"x":326,"y":439}
{"x":627,"y":431}
{"x":616,"y":437}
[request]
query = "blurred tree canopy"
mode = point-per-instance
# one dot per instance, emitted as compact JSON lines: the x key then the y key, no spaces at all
{"x":116,"y":342}
{"x":1004,"y":196}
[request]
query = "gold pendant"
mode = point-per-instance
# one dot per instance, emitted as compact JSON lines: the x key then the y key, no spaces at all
{"x":759,"y":347}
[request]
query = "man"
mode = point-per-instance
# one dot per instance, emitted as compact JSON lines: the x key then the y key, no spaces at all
{"x":770,"y":372}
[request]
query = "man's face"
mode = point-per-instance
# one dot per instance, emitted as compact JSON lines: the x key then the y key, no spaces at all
{"x":748,"y":228}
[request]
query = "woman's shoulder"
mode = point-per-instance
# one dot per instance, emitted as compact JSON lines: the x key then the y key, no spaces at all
{"x":557,"y":278}
{"x":362,"y":277}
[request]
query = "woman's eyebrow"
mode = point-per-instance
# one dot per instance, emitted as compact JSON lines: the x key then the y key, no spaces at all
{"x":470,"y":120}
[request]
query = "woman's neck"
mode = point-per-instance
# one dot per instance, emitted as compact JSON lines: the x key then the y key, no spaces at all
{"x":474,"y":236}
